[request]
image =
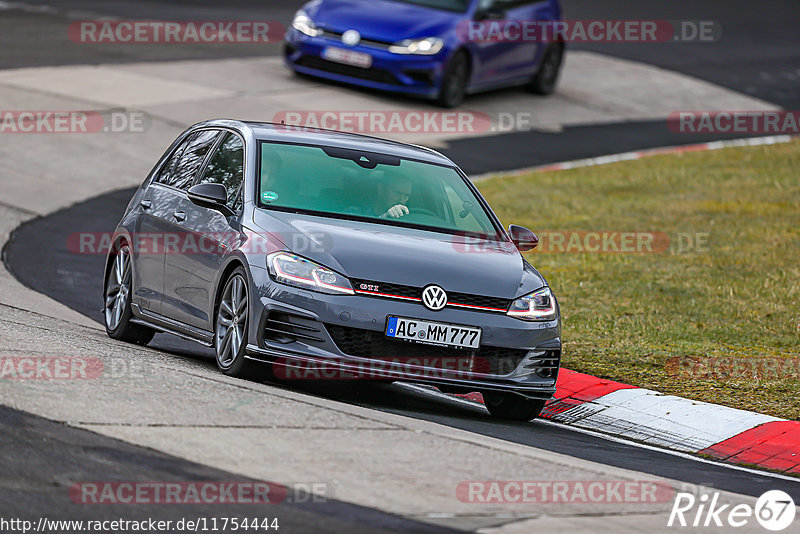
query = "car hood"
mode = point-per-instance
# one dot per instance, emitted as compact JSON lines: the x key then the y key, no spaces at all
{"x":382,"y":20}
{"x":406,"y":256}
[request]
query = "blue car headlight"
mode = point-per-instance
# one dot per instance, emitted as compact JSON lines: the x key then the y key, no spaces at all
{"x":295,"y":271}
{"x":538,"y":306}
{"x":303,"y":23}
{"x":424,"y":47}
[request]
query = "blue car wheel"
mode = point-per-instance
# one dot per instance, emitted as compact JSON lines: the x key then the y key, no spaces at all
{"x":454,"y":81}
{"x":544,"y":81}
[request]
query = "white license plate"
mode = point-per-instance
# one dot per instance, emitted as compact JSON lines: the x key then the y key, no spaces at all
{"x":348,"y":57}
{"x":432,"y":333}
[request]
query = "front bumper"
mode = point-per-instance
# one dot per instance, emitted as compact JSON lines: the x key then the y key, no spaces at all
{"x":410,"y":74}
{"x":308,"y":335}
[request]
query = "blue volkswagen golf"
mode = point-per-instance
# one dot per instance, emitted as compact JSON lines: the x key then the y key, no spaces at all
{"x":439,"y":49}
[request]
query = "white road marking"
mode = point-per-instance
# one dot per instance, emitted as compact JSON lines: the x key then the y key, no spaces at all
{"x":665,"y":420}
{"x":608,"y":437}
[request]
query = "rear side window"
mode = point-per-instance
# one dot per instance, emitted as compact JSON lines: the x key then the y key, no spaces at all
{"x":166,"y":171}
{"x":180,"y":169}
{"x":192,"y":158}
{"x":226,"y":167}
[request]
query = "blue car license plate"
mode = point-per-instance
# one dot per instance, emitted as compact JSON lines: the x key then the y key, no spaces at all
{"x":348,"y":57}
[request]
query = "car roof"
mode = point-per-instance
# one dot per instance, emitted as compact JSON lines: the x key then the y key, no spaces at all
{"x":317,"y":136}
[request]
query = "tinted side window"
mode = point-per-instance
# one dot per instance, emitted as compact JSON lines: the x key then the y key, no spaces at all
{"x":192,"y":158}
{"x":226,"y":167}
{"x":166,"y":171}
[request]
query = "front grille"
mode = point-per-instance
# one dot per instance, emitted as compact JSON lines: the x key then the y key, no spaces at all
{"x":337,"y":36}
{"x":373,"y":75}
{"x":374,"y":345}
{"x":478,"y":300}
{"x":387,"y":290}
{"x":286,"y":327}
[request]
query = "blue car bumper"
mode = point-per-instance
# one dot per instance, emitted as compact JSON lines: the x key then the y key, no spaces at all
{"x":415,"y":75}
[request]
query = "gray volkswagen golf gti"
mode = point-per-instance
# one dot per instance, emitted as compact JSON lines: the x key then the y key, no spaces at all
{"x":326,"y":255}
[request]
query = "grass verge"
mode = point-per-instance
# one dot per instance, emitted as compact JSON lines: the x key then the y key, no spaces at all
{"x":711,"y":311}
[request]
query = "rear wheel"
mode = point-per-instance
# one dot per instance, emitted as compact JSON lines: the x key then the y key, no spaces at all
{"x":512,"y":407}
{"x":231,"y":328}
{"x":454,"y":82}
{"x":117,"y":313}
{"x":545,"y":79}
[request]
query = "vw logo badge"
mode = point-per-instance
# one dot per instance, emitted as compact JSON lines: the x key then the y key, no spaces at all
{"x":351,"y":37}
{"x":434,"y":298}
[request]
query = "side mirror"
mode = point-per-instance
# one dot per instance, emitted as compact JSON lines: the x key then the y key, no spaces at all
{"x":210,"y":196}
{"x":523,"y":238}
{"x":493,"y":13}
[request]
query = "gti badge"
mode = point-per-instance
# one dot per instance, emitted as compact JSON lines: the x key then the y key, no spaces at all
{"x":351,"y":37}
{"x":369,"y":287}
{"x":434,"y":298}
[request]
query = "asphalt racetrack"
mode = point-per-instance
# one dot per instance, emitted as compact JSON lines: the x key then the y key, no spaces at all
{"x":759,"y":56}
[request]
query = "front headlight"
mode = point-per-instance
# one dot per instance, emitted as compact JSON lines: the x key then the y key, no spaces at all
{"x":538,"y":306}
{"x":299,"y":272}
{"x":303,"y":23}
{"x":425,"y":47}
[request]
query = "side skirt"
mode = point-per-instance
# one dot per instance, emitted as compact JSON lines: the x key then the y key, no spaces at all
{"x":170,"y":326}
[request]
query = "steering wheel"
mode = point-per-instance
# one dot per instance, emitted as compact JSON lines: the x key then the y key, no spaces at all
{"x":423,"y":211}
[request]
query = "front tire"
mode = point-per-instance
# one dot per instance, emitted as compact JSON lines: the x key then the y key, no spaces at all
{"x":117,"y":292}
{"x":545,"y":80}
{"x":231,"y":328}
{"x":454,"y":82}
{"x":512,"y":407}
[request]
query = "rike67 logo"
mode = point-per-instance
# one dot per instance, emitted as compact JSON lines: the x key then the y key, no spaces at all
{"x":774,"y":510}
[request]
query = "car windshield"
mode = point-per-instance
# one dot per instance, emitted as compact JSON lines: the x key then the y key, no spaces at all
{"x":353,"y":184}
{"x":459,"y":6}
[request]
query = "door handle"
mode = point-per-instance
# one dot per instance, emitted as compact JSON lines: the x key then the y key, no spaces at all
{"x":146,"y":204}
{"x":179,"y":216}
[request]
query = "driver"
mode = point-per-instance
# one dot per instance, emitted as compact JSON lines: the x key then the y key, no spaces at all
{"x":390,"y":203}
